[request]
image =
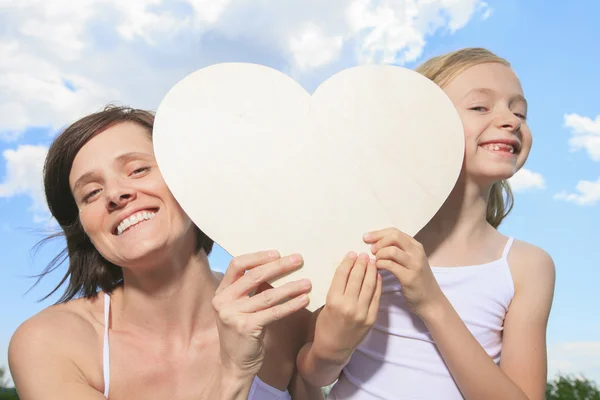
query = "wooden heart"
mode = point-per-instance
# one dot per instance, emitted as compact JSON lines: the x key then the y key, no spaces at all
{"x":258,"y":163}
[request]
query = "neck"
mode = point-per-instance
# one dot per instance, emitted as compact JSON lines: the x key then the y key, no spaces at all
{"x":172,"y":299}
{"x":461,"y":218}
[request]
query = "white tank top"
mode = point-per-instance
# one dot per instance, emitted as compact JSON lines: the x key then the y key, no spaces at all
{"x":399,"y":360}
{"x":258,"y":391}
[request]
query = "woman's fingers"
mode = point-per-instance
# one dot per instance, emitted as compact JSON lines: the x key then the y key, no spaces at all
{"x":260,"y":274}
{"x":280,"y":311}
{"x":239,"y":265}
{"x":274,"y":296}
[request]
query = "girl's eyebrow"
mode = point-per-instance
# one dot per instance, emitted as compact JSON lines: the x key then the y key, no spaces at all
{"x":517,"y":97}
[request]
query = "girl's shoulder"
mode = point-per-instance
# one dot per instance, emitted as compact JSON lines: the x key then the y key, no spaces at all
{"x":530,"y":265}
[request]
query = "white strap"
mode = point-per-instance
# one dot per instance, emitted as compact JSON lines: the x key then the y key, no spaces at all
{"x":106,"y":349}
{"x":507,"y":248}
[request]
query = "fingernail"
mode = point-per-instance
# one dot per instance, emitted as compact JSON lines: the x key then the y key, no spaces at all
{"x":367,"y":236}
{"x":303,"y":298}
{"x":295,"y":258}
{"x":305,"y":283}
{"x":351,"y":255}
{"x":273,"y":253}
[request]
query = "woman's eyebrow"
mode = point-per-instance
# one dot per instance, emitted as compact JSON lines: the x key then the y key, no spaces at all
{"x":132,"y":156}
{"x":83,"y":180}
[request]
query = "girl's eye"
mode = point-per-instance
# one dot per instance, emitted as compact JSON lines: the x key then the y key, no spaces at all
{"x":140,"y":170}
{"x":522,"y":116}
{"x":479,"y":108}
{"x":89,"y":195}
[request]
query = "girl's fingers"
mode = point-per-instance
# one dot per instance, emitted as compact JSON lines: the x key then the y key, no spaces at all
{"x":340,"y":277}
{"x":355,"y":280}
{"x":374,"y":306}
{"x":390,"y":237}
{"x":395,"y":269}
{"x":369,"y":285}
{"x":394,"y":254}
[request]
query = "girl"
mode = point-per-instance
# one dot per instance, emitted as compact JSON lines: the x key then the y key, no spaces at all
{"x":464,"y":309}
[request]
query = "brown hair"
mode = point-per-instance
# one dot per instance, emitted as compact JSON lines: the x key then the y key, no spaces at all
{"x":443,"y":69}
{"x":88,"y":271}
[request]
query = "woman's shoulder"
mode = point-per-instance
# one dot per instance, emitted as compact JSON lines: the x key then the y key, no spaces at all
{"x":64,"y":329}
{"x":58,"y":347}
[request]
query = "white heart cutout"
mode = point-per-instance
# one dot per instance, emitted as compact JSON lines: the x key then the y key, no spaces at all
{"x":258,"y":163}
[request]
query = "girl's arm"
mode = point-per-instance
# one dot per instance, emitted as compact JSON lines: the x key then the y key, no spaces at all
{"x":522,"y":373}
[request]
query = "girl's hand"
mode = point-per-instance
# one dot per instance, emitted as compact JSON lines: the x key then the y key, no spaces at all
{"x":405,"y":258}
{"x":241,"y":319}
{"x":350,"y":310}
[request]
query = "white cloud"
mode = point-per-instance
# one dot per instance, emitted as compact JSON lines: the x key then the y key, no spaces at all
{"x":24,"y":166}
{"x":585,"y":134}
{"x":62,"y":59}
{"x":525,"y":179}
{"x":575,"y":358}
{"x":312,"y":49}
{"x":588,"y":193}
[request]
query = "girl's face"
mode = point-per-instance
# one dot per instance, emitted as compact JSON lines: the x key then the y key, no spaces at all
{"x":493,"y":110}
{"x":126,"y":209}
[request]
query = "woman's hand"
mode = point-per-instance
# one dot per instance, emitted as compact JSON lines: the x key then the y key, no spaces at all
{"x":241,"y":319}
{"x":405,"y":258}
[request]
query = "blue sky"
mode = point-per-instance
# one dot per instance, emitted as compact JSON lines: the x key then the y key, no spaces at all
{"x":58,"y":64}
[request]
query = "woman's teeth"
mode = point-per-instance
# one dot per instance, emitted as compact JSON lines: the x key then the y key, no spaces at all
{"x":500,"y":147}
{"x":134,"y":220}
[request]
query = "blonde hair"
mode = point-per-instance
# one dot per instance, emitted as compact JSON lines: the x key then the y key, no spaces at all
{"x":443,"y":69}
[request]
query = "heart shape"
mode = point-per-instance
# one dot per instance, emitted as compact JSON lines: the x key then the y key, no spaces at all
{"x":258,"y":163}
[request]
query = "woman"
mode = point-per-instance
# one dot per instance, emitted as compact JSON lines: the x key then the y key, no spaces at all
{"x":153,"y":321}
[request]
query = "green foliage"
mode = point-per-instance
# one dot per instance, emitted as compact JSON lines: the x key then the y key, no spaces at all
{"x":8,"y":394}
{"x":5,"y":393}
{"x":566,"y":387}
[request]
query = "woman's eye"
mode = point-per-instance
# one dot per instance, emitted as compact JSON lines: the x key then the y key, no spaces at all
{"x":91,"y":194}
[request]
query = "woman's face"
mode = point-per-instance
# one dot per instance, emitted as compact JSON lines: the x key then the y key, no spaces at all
{"x":490,"y":102}
{"x":126,"y":209}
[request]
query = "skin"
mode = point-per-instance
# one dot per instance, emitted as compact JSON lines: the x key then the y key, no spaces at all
{"x":490,"y":101}
{"x":177,"y":329}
